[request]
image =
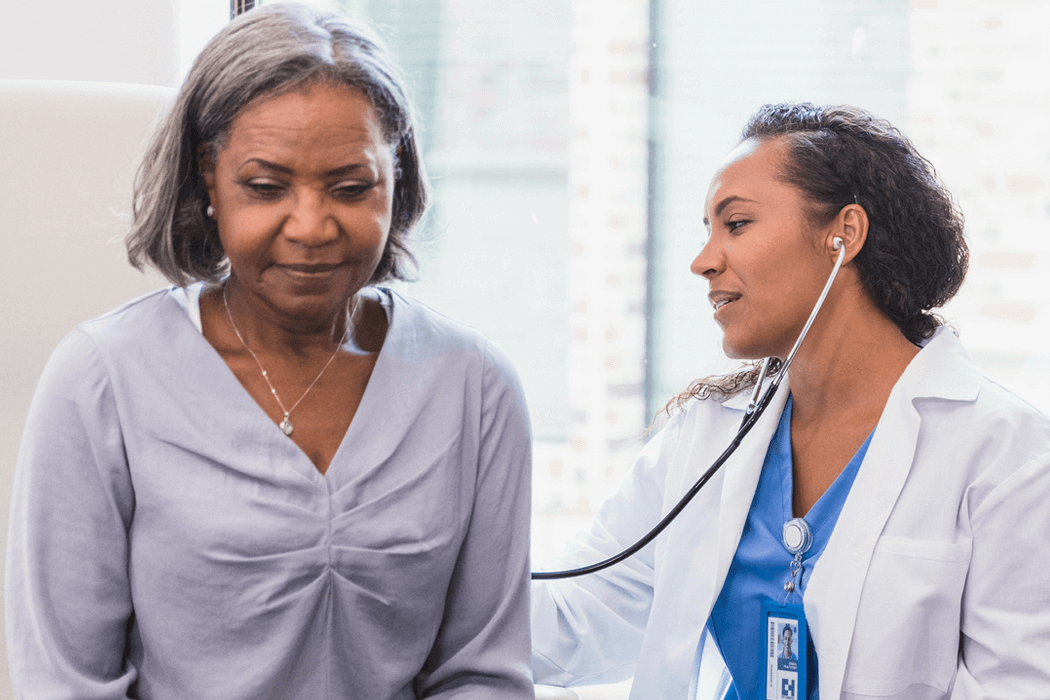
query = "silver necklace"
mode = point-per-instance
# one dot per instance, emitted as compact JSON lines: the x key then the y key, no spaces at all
{"x":286,"y":424}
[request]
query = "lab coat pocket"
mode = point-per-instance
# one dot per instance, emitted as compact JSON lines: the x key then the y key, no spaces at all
{"x":907,"y":629}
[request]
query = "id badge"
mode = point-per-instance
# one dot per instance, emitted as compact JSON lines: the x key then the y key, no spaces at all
{"x":784,"y":655}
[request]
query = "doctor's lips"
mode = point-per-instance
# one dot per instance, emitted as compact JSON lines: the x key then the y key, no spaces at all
{"x":720,"y":298}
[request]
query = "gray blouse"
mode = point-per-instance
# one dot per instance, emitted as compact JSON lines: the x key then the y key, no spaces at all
{"x":168,"y":541}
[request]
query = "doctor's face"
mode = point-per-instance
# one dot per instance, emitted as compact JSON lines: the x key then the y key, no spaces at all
{"x":764,"y":260}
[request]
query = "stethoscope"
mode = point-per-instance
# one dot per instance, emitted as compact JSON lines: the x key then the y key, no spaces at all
{"x":771,"y":367}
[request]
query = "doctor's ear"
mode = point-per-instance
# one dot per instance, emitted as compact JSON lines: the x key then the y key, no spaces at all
{"x":849,"y":230}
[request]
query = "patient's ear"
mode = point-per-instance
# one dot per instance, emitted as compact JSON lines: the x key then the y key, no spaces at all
{"x":206,"y":167}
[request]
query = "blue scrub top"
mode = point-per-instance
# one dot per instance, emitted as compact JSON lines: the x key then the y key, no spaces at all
{"x":761,"y":566}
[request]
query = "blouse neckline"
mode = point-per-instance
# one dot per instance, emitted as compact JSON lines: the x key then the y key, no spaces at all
{"x":188,"y":298}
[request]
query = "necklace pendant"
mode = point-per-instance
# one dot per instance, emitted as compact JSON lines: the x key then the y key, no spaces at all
{"x":286,"y":426}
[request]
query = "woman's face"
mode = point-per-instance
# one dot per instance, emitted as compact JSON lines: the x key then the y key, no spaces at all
{"x":764,"y":263}
{"x":303,"y":190}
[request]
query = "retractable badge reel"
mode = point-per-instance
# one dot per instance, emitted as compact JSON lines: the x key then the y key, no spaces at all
{"x":786,"y":634}
{"x":797,"y":540}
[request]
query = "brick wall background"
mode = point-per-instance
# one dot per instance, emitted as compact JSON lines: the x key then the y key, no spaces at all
{"x":978,"y":106}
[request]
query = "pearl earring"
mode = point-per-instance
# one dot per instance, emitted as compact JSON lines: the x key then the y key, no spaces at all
{"x":210,"y":211}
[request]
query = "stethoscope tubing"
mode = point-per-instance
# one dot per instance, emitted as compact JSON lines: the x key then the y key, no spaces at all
{"x":754,"y":411}
{"x":744,"y":429}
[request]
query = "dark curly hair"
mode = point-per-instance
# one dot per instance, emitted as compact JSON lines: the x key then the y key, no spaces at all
{"x":915,"y":257}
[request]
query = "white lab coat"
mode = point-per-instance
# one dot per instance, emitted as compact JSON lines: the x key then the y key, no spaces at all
{"x":935,"y":582}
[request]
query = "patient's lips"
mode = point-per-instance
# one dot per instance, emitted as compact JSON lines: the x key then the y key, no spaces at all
{"x":309,"y":271}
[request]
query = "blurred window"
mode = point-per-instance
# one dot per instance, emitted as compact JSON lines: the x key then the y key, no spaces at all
{"x":571,"y":143}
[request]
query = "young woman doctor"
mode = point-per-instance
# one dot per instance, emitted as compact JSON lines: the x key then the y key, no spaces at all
{"x":892,"y":505}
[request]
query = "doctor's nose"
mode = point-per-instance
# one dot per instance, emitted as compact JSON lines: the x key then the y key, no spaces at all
{"x":709,"y":262}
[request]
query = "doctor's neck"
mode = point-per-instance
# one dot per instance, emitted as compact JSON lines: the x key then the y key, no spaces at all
{"x":851,"y":359}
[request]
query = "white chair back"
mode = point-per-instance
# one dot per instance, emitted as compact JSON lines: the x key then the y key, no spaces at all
{"x":68,"y":155}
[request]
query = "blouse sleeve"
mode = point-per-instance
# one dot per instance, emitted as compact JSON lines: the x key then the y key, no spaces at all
{"x":67,"y":591}
{"x":482,"y":648}
{"x":589,"y":629}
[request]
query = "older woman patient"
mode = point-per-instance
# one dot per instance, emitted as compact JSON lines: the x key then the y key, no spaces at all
{"x":274,"y":479}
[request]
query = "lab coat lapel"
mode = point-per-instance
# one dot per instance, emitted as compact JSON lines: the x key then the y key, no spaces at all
{"x":942,"y":370}
{"x":833,"y":593}
{"x":695,"y":579}
{"x":742,"y":472}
